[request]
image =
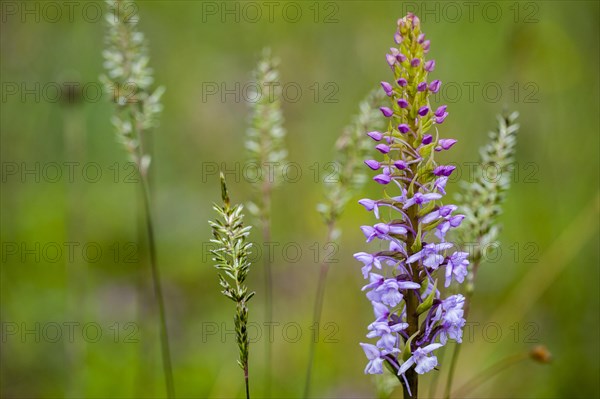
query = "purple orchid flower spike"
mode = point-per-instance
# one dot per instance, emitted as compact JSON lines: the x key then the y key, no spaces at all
{"x":411,"y":315}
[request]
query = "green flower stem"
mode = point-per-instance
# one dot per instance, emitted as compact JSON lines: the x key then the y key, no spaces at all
{"x":75,"y":143}
{"x":435,"y":378}
{"x":246,"y":380}
{"x":266,"y":233}
{"x":158,"y":293}
{"x":318,"y":309}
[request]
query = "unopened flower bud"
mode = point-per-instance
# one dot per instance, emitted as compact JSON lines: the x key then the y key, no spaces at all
{"x":382,"y":148}
{"x":440,"y":119}
{"x":372,"y":164}
{"x":401,"y":165}
{"x":387,"y":112}
{"x":403,"y":128}
{"x":382,"y":179}
{"x":397,"y":38}
{"x":430,"y":65}
{"x":446,"y":144}
{"x":375,"y":135}
{"x":391,"y":60}
{"x":434,"y":86}
{"x":387,"y":88}
{"x":440,"y":110}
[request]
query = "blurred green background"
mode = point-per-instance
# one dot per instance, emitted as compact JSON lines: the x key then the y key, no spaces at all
{"x":82,"y":324}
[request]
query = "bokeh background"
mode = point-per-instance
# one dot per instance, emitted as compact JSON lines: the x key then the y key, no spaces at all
{"x":82,"y":323}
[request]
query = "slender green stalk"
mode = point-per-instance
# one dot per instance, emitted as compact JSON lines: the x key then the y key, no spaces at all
{"x":266,"y":234}
{"x":158,"y":292}
{"x":75,"y":144}
{"x":453,"y":362}
{"x":318,"y":309}
{"x":246,"y":380}
{"x":435,"y":378}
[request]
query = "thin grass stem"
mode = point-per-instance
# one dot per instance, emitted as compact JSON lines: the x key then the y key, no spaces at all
{"x":158,"y":292}
{"x":266,"y":233}
{"x":318,"y":309}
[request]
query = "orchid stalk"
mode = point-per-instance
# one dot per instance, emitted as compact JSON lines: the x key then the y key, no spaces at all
{"x":137,"y":107}
{"x":412,"y":318}
{"x":266,"y":148}
{"x":231,"y":257}
{"x":482,"y":204}
{"x":349,"y":178}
